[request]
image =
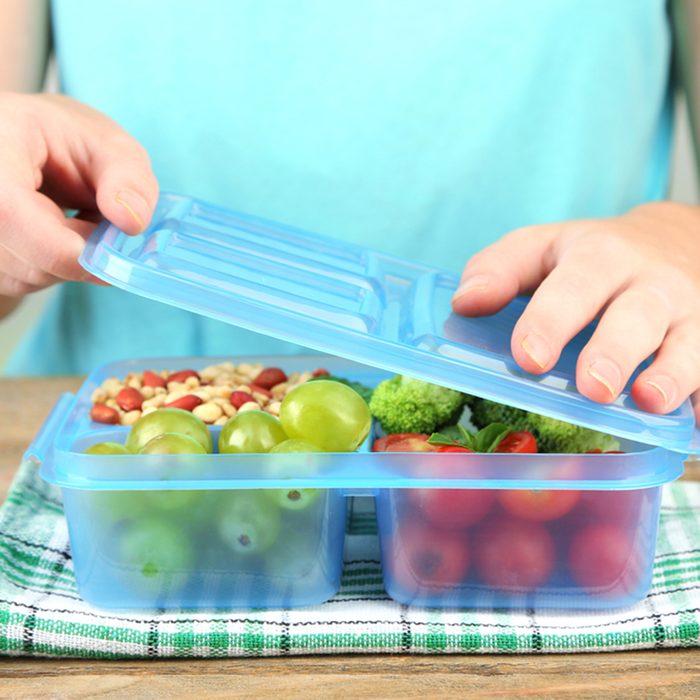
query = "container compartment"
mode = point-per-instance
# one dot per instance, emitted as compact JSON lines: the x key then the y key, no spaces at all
{"x":509,"y":548}
{"x":198,"y":548}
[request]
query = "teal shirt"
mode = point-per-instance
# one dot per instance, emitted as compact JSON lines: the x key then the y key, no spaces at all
{"x":425,"y":129}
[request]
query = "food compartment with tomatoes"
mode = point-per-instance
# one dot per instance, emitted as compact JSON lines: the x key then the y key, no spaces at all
{"x":533,"y":528}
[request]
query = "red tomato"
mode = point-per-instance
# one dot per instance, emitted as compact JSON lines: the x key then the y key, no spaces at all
{"x":618,"y":507}
{"x":521,"y":441}
{"x":514,"y":554}
{"x":422,"y":556}
{"x":452,"y":509}
{"x":403,"y":442}
{"x":600,"y":557}
{"x":538,"y":506}
{"x":451,"y":448}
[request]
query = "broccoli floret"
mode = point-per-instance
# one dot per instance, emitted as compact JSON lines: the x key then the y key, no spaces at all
{"x":364,"y":391}
{"x":557,"y":436}
{"x":405,"y":405}
{"x":552,"y":435}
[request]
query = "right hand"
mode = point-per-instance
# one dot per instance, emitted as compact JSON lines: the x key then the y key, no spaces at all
{"x":59,"y":154}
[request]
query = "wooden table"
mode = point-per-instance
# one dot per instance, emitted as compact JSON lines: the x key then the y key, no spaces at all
{"x":654,"y":674}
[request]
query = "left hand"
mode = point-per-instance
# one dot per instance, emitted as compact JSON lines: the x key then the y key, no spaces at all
{"x":639,"y":273}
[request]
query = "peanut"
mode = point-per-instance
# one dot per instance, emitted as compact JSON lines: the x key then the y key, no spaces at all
{"x":129,"y":399}
{"x":101,"y":413}
{"x":98,"y":396}
{"x":273,"y":407}
{"x":112,"y":386}
{"x":229,"y":410}
{"x":156,"y":402}
{"x":269,"y":377}
{"x":187,"y":403}
{"x":209,"y":412}
{"x":250,"y":406}
{"x":131,"y":417}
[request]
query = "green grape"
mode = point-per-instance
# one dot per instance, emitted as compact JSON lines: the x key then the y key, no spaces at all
{"x":153,"y":549}
{"x":107,"y":448}
{"x":295,"y":445}
{"x":293,"y":498}
{"x":168,"y":420}
{"x":172,"y":444}
{"x":250,"y":432}
{"x":112,"y":507}
{"x":294,"y":555}
{"x":173,"y":499}
{"x":250,"y":523}
{"x":327,"y":414}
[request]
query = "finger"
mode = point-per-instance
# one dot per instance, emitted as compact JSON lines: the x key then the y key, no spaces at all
{"x":126,"y":188}
{"x":675,"y":372}
{"x":695,"y":397}
{"x":42,"y":239}
{"x":631,"y":329}
{"x":567,"y":300}
{"x":515,"y":264}
{"x":92,"y":163}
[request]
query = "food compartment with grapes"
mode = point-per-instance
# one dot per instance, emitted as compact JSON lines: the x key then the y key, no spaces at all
{"x":202,"y":547}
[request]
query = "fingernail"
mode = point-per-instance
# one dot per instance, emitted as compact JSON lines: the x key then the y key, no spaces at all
{"x":471,"y":284}
{"x":537,"y":349}
{"x":133,"y":203}
{"x":664,"y":387}
{"x":607,"y":373}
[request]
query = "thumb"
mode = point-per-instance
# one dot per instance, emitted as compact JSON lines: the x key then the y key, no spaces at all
{"x":513,"y":265}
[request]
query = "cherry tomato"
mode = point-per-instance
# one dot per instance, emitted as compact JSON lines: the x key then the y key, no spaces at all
{"x":452,"y":509}
{"x":521,"y":441}
{"x":618,"y":507}
{"x":538,"y":506}
{"x":513,"y":554}
{"x":403,"y":442}
{"x":451,"y":448}
{"x":422,"y":556}
{"x":600,"y":556}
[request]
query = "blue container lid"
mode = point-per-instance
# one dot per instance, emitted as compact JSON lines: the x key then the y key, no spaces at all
{"x":355,"y":303}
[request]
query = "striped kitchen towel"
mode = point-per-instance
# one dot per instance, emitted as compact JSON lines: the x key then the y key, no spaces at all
{"x":41,"y":613}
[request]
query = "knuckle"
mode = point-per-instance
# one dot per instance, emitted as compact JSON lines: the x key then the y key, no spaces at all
{"x":13,"y":287}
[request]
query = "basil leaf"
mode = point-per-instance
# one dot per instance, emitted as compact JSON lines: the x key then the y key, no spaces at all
{"x":442,"y":439}
{"x":488,"y":439}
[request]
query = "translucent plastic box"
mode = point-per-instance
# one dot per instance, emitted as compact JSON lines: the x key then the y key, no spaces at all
{"x":381,"y":314}
{"x":145,"y":530}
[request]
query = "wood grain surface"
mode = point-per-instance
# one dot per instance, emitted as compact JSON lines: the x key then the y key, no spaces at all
{"x":655,"y":674}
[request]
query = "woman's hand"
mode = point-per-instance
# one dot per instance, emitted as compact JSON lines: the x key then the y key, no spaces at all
{"x":58,"y":154}
{"x":640,"y":273}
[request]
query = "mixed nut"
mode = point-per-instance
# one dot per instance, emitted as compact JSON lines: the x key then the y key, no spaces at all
{"x":214,"y":393}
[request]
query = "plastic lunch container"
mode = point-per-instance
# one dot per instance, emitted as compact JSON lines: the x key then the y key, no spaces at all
{"x":372,"y":314}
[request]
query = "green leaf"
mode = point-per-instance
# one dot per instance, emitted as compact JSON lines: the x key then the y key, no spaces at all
{"x":443,"y":439}
{"x":488,"y":438}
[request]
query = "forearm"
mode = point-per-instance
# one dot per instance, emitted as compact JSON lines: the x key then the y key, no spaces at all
{"x":24,"y":50}
{"x":685,"y":21}
{"x":24,"y":44}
